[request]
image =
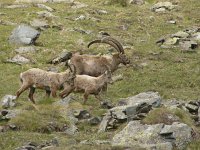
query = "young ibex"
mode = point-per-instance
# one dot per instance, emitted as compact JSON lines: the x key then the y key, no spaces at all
{"x":88,"y":85}
{"x":49,"y":81}
{"x":97,"y":65}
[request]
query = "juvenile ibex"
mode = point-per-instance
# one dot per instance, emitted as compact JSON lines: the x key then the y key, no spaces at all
{"x":49,"y":81}
{"x":97,"y":65}
{"x":88,"y":85}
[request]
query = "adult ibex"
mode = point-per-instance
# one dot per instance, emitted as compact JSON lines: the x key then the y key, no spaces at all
{"x":49,"y":81}
{"x":97,"y":65}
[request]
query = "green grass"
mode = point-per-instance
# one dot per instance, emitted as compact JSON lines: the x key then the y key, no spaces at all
{"x":163,"y":72}
{"x":41,"y":120}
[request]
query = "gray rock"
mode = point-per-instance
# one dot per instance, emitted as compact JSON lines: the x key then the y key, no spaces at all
{"x":137,"y":2}
{"x":188,"y":46}
{"x":181,"y":34}
{"x":180,"y":132}
{"x":104,"y":123}
{"x":28,"y":49}
{"x":160,"y":10}
{"x":171,"y":41}
{"x":101,"y":12}
{"x":151,"y":98}
{"x":171,"y":22}
{"x":137,"y":112}
{"x":119,"y":113}
{"x":18,"y":59}
{"x":137,"y":134}
{"x":39,"y":24}
{"x":24,"y":35}
{"x":164,"y":5}
{"x":45,"y":14}
{"x":81,"y":17}
{"x":78,"y":5}
{"x":94,"y":120}
{"x":106,"y":105}
{"x":44,"y":7}
{"x":196,"y":36}
{"x":81,"y":114}
{"x":9,"y":114}
{"x":192,"y":108}
{"x":72,"y":130}
{"x":2,"y":14}
{"x":63,"y":57}
{"x":8,"y":101}
{"x":159,"y":136}
{"x":134,"y":108}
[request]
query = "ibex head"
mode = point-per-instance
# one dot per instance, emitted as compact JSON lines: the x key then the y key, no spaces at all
{"x":124,"y":59}
{"x":116,"y":44}
{"x":108,"y":76}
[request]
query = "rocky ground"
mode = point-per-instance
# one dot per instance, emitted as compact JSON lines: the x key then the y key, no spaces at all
{"x":154,"y":102}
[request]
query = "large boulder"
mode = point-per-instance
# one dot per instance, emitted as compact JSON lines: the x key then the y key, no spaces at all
{"x":151,"y":98}
{"x":157,"y":136}
{"x":135,"y":108}
{"x":24,"y":35}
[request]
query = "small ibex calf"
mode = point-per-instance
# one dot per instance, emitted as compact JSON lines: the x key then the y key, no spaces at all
{"x":88,"y":85}
{"x":49,"y":81}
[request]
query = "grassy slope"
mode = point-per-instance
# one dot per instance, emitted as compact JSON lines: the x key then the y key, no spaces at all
{"x":162,"y":74}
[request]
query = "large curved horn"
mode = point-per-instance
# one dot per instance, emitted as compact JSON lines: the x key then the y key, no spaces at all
{"x":72,"y":68}
{"x":121,"y":49}
{"x":104,"y":40}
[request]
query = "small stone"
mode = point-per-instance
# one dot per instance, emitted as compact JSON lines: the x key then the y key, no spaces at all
{"x":94,"y":120}
{"x":81,"y":114}
{"x":78,"y":5}
{"x":12,"y":126}
{"x":163,"y":5}
{"x":181,"y":34}
{"x":171,"y":41}
{"x":18,"y":59}
{"x":72,"y":130}
{"x":45,"y":14}
{"x":63,"y":57}
{"x":137,"y":2}
{"x":1,"y":14}
{"x":192,"y":108}
{"x":196,"y":36}
{"x":171,"y":22}
{"x":160,"y":10}
{"x":102,"y":12}
{"x":81,"y":17}
{"x":188,"y":46}
{"x":55,"y":142}
{"x":39,"y":24}
{"x":106,"y":105}
{"x":44,"y":7}
{"x":8,"y":101}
